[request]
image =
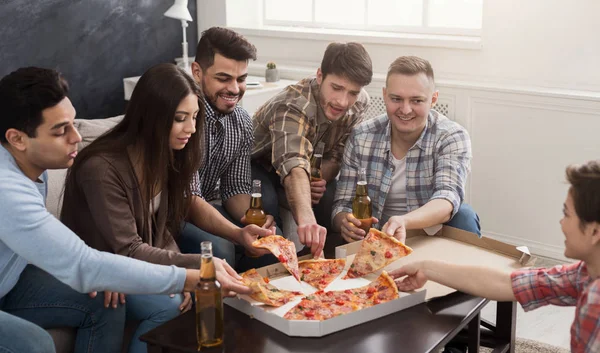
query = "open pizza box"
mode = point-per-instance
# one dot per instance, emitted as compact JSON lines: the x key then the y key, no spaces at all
{"x":455,"y":246}
{"x":449,"y":244}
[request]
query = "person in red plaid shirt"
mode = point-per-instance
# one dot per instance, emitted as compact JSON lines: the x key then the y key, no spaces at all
{"x":574,"y":284}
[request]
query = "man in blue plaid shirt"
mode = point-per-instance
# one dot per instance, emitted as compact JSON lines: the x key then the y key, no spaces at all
{"x":417,"y":161}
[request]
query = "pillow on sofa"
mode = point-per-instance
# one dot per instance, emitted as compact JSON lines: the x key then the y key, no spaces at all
{"x":89,"y":129}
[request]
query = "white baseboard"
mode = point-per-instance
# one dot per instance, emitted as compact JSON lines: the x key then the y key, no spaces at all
{"x":536,"y":248}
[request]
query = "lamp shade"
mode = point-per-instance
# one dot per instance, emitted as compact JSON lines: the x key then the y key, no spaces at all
{"x":179,"y":11}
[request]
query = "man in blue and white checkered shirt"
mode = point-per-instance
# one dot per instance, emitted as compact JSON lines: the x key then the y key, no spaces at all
{"x":417,"y":161}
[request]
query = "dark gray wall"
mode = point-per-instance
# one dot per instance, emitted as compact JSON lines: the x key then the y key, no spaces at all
{"x":94,"y":43}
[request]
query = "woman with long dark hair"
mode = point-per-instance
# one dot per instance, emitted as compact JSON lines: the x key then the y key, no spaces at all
{"x":129,"y":190}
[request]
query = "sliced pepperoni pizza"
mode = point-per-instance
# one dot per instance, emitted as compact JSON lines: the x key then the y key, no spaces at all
{"x":376,"y":251}
{"x":319,"y":273}
{"x":264,"y":292}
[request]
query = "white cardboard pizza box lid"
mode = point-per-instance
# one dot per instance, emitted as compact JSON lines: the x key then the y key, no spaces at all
{"x":454,"y":246}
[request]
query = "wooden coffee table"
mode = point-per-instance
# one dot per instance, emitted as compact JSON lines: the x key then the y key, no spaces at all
{"x":426,"y":327}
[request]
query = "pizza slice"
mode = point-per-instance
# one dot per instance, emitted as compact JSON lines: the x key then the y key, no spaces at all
{"x":264,"y":292}
{"x":309,"y":309}
{"x":376,"y":251}
{"x":319,"y":273}
{"x":283,"y":249}
{"x":381,"y":290}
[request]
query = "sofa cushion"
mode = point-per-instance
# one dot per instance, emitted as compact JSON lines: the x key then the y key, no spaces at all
{"x":91,"y":129}
{"x":56,"y":184}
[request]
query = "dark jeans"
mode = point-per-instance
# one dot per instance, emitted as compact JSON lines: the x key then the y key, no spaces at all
{"x":45,"y":302}
{"x":466,"y":219}
{"x":272,"y":188}
{"x":191,"y":236}
{"x":21,"y":336}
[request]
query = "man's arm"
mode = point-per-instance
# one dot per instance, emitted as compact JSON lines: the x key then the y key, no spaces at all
{"x":289,"y":127}
{"x":30,"y":231}
{"x":204,"y":216}
{"x":453,"y":163}
{"x":237,"y":205}
{"x":297,"y":186}
{"x":475,"y":280}
{"x":437,"y":211}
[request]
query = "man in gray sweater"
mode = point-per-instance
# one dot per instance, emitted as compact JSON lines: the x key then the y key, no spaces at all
{"x":46,"y":271}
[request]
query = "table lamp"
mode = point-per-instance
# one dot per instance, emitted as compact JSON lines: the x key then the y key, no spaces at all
{"x":179,"y":11}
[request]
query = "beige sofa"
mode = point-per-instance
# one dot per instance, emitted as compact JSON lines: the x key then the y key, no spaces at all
{"x":64,"y":338}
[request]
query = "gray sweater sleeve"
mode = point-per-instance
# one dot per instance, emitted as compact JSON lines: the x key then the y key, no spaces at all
{"x":29,"y":230}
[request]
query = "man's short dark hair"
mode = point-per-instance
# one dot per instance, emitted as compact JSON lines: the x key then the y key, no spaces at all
{"x":24,"y":94}
{"x":349,"y":60}
{"x":223,"y":41}
{"x":585,"y":191}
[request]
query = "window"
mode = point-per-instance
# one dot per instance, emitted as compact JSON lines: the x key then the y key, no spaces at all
{"x":446,"y":17}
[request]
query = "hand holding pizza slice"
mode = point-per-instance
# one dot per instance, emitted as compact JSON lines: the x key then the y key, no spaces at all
{"x":283,"y":249}
{"x":376,"y":251}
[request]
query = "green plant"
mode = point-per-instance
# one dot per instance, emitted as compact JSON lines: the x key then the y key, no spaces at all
{"x":271,"y":65}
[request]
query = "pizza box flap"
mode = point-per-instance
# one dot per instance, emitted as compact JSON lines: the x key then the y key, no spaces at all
{"x":454,"y":246}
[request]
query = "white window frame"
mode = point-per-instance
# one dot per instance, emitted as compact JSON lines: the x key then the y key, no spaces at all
{"x":423,"y":29}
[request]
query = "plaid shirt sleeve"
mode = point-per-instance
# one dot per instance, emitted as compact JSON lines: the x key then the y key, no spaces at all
{"x":237,"y":179}
{"x":291,"y":148}
{"x":195,"y":185}
{"x":586,"y":334}
{"x":537,"y":287}
{"x":344,"y":192}
{"x":452,"y":167}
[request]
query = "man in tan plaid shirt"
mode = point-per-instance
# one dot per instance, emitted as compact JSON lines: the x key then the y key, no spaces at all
{"x":287,"y":128}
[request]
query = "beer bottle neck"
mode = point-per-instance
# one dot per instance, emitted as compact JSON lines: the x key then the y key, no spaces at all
{"x":256,"y":201}
{"x":361,"y":189}
{"x":207,"y":268}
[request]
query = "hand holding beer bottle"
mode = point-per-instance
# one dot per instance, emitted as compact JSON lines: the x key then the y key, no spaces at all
{"x":315,"y":162}
{"x":317,"y":183}
{"x":209,"y":302}
{"x":361,"y":205}
{"x":255,"y":213}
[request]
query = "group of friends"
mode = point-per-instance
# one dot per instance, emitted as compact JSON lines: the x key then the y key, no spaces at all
{"x":178,"y":169}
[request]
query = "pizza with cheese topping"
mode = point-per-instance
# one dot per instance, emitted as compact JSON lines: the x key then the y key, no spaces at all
{"x":319,"y":273}
{"x":376,"y":251}
{"x":264,"y":292}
